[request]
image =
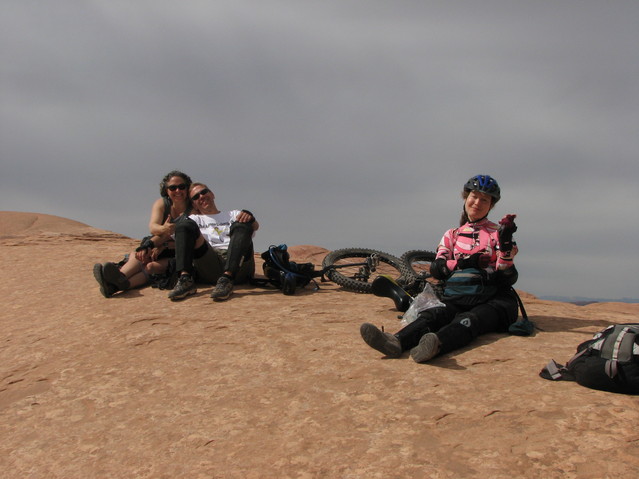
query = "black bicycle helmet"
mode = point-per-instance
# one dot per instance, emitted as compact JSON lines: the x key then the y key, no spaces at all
{"x":484,"y":184}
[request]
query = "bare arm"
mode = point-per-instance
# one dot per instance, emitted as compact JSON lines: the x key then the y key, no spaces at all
{"x":157,"y":226}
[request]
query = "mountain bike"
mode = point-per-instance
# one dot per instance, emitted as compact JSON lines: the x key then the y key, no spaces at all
{"x":355,"y":269}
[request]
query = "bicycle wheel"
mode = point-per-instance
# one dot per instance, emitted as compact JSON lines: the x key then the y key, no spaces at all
{"x":348,"y":267}
{"x":418,"y":261}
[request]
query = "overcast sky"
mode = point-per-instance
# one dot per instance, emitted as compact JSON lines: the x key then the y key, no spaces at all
{"x":338,"y":123}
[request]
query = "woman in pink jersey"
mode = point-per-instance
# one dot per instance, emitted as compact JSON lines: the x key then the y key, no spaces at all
{"x":476,"y":262}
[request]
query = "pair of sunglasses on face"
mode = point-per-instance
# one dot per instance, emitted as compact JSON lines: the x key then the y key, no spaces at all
{"x":202,"y":192}
{"x":180,"y":187}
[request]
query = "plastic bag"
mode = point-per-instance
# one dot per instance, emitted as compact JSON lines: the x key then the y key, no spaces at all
{"x":425,"y":300}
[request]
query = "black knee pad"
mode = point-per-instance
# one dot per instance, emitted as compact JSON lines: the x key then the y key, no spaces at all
{"x":241,"y":227}
{"x":470,"y":321}
{"x":189,"y":226}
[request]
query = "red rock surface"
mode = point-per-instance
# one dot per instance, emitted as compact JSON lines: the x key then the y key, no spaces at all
{"x":267,"y":385}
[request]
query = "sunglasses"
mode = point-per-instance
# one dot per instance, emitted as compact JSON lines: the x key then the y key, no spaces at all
{"x":202,"y":192}
{"x":180,"y":187}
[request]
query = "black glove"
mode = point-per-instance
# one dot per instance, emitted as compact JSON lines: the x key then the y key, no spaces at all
{"x":507,"y":227}
{"x":145,"y":244}
{"x":477,"y":260}
{"x":439,"y":270}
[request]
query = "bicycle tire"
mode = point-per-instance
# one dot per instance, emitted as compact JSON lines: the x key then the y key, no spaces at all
{"x":418,"y":261}
{"x":388,"y":265}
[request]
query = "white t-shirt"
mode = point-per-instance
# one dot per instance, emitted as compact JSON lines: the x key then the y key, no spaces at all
{"x":216,"y":228}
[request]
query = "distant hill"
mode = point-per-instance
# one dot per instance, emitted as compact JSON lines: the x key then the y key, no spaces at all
{"x":582,"y":301}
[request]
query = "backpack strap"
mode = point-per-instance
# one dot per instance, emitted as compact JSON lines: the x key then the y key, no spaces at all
{"x":524,"y":327}
{"x":576,"y":356}
{"x":611,"y":368}
{"x":556,"y":372}
{"x":621,"y":349}
{"x":261,"y":282}
{"x":521,"y":304}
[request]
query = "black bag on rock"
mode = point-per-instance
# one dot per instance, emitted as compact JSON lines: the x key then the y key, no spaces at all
{"x":608,"y":362}
{"x":285,"y":274}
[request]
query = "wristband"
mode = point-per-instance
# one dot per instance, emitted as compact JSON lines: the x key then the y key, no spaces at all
{"x":146,"y":244}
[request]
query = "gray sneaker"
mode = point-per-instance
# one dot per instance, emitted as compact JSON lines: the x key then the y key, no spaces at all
{"x":385,"y":343}
{"x":427,"y":348}
{"x":112,"y":274}
{"x":184,"y":287}
{"x":223,"y":289}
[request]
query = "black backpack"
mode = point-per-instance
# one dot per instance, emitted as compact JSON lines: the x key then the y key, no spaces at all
{"x":285,"y":274}
{"x":608,"y":362}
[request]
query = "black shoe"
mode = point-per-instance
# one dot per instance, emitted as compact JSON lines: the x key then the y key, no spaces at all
{"x":385,"y":343}
{"x":184,"y":287}
{"x":223,"y":289}
{"x":427,"y":348}
{"x":112,"y":274}
{"x":106,"y":289}
{"x":387,"y":287}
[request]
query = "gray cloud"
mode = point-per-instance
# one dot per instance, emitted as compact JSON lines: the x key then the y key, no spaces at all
{"x":339,"y":123}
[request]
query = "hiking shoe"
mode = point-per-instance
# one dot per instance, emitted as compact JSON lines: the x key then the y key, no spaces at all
{"x":184,"y":287}
{"x":106,"y":289}
{"x":427,"y":348}
{"x":112,"y":274}
{"x":223,"y":289}
{"x":385,"y":343}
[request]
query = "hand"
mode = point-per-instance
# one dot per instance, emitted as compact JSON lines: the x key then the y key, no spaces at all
{"x":143,"y":255}
{"x":477,"y":260}
{"x":507,"y":227}
{"x":508,"y":222}
{"x":142,"y":252}
{"x":439,"y":269}
{"x":155,"y":252}
{"x":168,"y":228}
{"x":245,"y":216}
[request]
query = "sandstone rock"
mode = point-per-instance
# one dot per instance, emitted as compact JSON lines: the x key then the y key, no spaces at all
{"x":267,"y":385}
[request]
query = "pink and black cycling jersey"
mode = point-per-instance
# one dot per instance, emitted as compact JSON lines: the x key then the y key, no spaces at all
{"x":471,"y":238}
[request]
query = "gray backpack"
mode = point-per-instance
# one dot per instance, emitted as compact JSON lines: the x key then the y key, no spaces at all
{"x":608,"y":362}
